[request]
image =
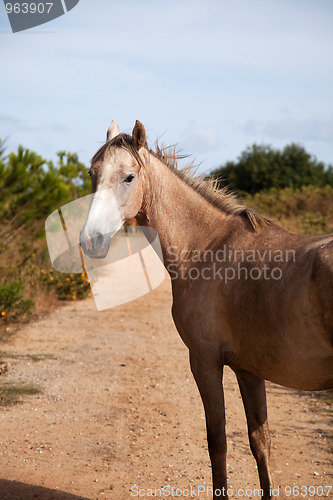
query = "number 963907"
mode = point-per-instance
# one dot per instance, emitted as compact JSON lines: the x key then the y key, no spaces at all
{"x":29,"y":8}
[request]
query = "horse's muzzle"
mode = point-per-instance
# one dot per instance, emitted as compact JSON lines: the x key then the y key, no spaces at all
{"x":96,"y":245}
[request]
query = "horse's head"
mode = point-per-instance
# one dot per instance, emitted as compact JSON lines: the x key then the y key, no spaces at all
{"x":116,"y":178}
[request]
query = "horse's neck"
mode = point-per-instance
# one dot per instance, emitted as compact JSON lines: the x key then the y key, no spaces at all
{"x":183,"y":219}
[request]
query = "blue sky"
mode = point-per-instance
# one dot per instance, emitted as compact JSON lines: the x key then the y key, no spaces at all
{"x":213,"y":76}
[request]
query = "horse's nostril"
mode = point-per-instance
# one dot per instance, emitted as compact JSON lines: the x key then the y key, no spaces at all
{"x":99,"y":239}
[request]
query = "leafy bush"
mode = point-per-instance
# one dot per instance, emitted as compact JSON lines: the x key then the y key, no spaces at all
{"x":68,"y":286}
{"x":308,"y":210}
{"x":262,"y":168}
{"x":30,"y":189}
{"x":314,"y":224}
{"x":12,"y":303}
{"x":290,"y":202}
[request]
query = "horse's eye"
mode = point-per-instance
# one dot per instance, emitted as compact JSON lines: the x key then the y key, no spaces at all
{"x":89,"y":173}
{"x":129,"y":178}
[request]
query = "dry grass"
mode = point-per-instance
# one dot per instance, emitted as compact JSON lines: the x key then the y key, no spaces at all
{"x":11,"y":393}
{"x":46,"y":301}
{"x":32,"y":357}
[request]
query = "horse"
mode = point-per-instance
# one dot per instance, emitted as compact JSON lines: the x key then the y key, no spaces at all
{"x":247,"y":293}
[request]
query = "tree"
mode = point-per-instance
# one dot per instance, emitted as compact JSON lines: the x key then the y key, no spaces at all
{"x":31,"y":187}
{"x":73,"y":174}
{"x":262,"y":167}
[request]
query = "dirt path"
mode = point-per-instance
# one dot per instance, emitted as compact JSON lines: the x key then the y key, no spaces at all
{"x":120,"y":409}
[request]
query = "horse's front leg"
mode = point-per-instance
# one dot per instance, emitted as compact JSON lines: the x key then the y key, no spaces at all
{"x":254,"y":399}
{"x":208,"y":371}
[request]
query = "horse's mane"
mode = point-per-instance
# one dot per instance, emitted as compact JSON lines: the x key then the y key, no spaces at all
{"x":223,"y":199}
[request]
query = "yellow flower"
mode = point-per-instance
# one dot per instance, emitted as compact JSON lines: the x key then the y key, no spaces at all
{"x":73,"y":260}
{"x":67,"y":279}
{"x":33,"y":255}
{"x":3,"y":313}
{"x":42,"y":271}
{"x":51,"y":278}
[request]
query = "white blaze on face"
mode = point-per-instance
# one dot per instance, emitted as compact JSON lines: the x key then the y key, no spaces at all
{"x":104,"y":217}
{"x":111,"y":204}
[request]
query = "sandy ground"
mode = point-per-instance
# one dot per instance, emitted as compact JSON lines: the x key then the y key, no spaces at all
{"x":120,"y":410}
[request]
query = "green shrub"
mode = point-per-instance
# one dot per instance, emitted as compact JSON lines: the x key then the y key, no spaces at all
{"x":262,"y":167}
{"x":289,"y":202}
{"x":68,"y":286}
{"x":12,"y":303}
{"x":314,"y":224}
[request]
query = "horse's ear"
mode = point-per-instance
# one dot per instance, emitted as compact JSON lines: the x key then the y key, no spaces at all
{"x":139,"y":135}
{"x":113,"y":130}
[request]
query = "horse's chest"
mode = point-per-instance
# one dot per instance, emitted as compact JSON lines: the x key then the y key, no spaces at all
{"x":199,"y":323}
